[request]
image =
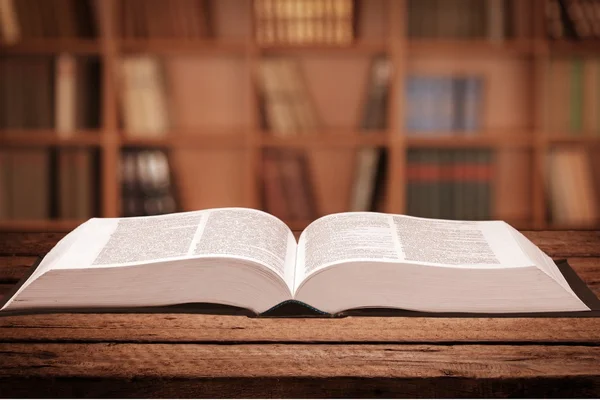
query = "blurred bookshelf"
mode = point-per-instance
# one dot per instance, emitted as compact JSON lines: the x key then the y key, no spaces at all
{"x":459,"y":109}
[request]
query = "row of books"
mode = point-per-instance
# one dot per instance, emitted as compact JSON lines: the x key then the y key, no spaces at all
{"x":369,"y":184}
{"x":574,"y":96}
{"x":147,"y":19}
{"x":48,"y":183}
{"x":460,"y":19}
{"x":31,"y":19}
{"x":449,"y":183}
{"x":42,"y":92}
{"x":147,"y":186}
{"x":573,"y":19}
{"x":573,"y":181}
{"x":287,"y":110}
{"x":436,"y":104}
{"x":64,"y":183}
{"x":304,"y":21}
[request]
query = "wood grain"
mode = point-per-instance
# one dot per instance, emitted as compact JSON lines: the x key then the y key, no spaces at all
{"x":454,"y":369}
{"x":14,"y":268}
{"x":193,"y":328}
{"x":565,"y":244}
{"x":279,"y":360}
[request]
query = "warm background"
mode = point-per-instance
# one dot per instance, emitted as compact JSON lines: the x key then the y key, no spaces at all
{"x":460,"y":109}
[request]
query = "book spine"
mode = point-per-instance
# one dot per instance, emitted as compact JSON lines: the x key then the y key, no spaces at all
{"x":485,"y":177}
{"x":460,"y":185}
{"x":411,"y":105}
{"x":30,"y":184}
{"x":10,"y":28}
{"x":65,"y":95}
{"x":590,"y":96}
{"x":457,"y":104}
{"x":576,"y":98}
{"x":274,"y":195}
{"x":495,"y":20}
{"x":472,"y":104}
{"x":435,"y":182}
{"x":5,"y":184}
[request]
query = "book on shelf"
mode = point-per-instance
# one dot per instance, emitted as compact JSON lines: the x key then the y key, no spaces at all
{"x":573,"y":187}
{"x":236,"y":260}
{"x":288,"y":111}
{"x":33,"y":19}
{"x":26,"y":95}
{"x":574,"y":101}
{"x":369,"y":176}
{"x":572,"y":19}
{"x":464,"y":19}
{"x":77,"y":183}
{"x":76,"y":94}
{"x":143,"y":97}
{"x":443,"y":105}
{"x":449,"y":183}
{"x":146,"y":183}
{"x":24,"y":184}
{"x":301,"y":22}
{"x":183,"y":19}
{"x":44,"y":92}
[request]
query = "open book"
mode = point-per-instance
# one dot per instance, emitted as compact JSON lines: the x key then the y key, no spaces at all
{"x":249,"y":259}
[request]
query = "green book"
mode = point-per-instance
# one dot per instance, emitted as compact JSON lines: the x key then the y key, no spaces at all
{"x":576,"y":120}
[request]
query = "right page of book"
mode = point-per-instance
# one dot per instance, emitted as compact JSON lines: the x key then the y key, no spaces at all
{"x":368,"y":236}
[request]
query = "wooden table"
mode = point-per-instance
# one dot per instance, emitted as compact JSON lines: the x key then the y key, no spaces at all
{"x":176,"y":355}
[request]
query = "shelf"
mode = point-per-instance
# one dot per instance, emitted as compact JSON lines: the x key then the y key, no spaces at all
{"x":182,"y":46}
{"x":326,"y":139}
{"x":478,"y":140}
{"x":428,"y":47}
{"x":360,"y":47}
{"x":52,"y":46}
{"x":575,"y":47}
{"x":189,"y":139}
{"x":39,"y":225}
{"x":584,"y":138}
{"x":49,"y":137}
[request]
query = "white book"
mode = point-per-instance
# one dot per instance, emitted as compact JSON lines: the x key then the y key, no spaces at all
{"x":250,"y":259}
{"x":10,"y":30}
{"x":65,"y":95}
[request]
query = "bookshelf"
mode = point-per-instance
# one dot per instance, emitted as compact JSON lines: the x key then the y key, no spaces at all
{"x":226,"y":155}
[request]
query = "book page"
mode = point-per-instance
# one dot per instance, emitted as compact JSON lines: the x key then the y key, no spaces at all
{"x":381,"y":237}
{"x":228,"y":232}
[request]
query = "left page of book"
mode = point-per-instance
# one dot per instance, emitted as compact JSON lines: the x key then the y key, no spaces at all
{"x":234,"y":243}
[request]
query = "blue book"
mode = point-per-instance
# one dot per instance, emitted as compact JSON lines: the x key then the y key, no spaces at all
{"x":445,"y":115}
{"x":410,"y":104}
{"x":472,"y":105}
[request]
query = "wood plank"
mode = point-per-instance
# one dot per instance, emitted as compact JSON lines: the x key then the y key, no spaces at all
{"x":163,"y":328}
{"x":28,"y":243}
{"x":181,"y":370}
{"x":565,"y":244}
{"x":14,"y":268}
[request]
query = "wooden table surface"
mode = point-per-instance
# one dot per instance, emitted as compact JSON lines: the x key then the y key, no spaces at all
{"x":178,"y":355}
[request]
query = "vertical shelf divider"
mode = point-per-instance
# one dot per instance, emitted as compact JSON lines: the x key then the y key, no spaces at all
{"x":396,"y":143}
{"x":110,"y":146}
{"x":540,"y":60}
{"x":253,"y":149}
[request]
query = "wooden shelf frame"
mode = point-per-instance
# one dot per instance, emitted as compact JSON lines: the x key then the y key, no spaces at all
{"x":251,"y":140}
